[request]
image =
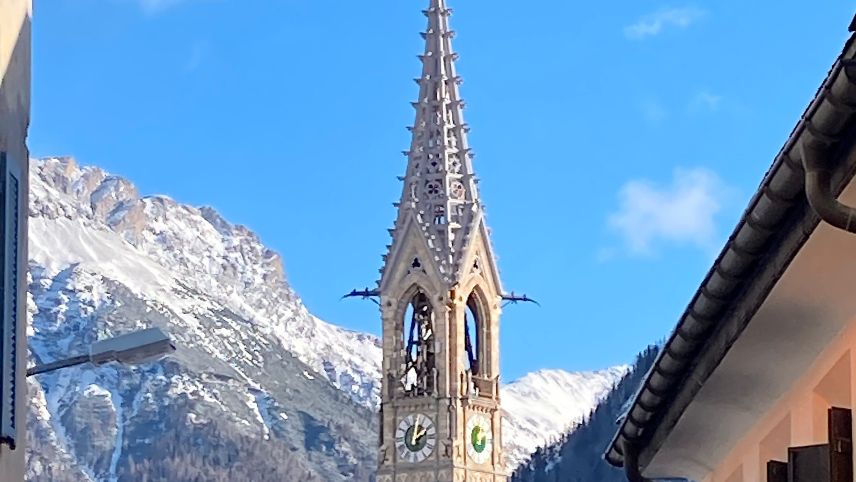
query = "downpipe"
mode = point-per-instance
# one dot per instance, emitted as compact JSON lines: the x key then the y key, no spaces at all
{"x":818,"y":190}
{"x":631,"y":462}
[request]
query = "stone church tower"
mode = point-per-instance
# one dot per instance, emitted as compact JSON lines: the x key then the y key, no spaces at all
{"x":440,"y":297}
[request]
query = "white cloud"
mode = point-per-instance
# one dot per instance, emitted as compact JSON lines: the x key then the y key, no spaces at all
{"x":682,"y":213}
{"x":654,"y":23}
{"x":705,"y":100}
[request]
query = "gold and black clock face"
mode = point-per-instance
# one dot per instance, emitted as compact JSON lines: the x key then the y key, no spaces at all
{"x":479,"y":438}
{"x":415,"y":438}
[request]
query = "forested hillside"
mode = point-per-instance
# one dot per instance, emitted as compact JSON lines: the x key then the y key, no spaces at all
{"x":577,"y":457}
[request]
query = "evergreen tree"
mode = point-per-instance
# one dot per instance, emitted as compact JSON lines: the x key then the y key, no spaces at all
{"x":578,"y":455}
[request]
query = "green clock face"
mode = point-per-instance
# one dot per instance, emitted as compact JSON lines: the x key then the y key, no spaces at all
{"x":415,"y":438}
{"x":480,"y":438}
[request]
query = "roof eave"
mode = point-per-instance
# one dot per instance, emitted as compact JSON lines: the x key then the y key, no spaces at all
{"x":776,"y":223}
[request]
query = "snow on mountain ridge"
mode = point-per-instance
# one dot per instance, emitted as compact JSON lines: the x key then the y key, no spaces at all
{"x":169,"y":243}
{"x":543,"y":405}
{"x":89,"y":228}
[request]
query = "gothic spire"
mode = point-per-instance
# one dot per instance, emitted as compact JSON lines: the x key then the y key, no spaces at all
{"x":439,"y":194}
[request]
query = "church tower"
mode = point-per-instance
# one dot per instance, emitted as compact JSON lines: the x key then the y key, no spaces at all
{"x":440,"y":296}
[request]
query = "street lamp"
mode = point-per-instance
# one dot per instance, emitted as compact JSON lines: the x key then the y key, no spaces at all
{"x":130,"y":349}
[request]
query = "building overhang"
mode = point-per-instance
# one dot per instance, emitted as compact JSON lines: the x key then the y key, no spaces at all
{"x":812,"y":302}
{"x":779,"y":292}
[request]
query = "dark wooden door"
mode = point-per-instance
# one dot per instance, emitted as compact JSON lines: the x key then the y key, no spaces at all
{"x":777,"y":471}
{"x":808,"y":464}
{"x":840,"y":445}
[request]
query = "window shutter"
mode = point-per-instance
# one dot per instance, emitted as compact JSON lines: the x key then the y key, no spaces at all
{"x":808,"y":464}
{"x":777,"y":471}
{"x":840,"y":445}
{"x":9,"y":227}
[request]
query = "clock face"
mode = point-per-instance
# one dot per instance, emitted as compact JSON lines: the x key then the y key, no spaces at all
{"x":415,"y":438}
{"x":479,"y":438}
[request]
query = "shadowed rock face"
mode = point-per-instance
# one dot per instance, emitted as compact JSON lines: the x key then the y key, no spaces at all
{"x":93,"y":442}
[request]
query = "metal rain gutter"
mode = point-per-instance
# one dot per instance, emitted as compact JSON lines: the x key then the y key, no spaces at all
{"x":818,"y":175}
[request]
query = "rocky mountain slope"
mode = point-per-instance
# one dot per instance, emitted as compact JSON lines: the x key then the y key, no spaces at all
{"x":105,"y":261}
{"x":259,"y":389}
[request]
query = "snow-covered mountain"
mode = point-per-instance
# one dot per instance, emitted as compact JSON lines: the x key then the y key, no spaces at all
{"x":544,"y":405}
{"x":104,"y":261}
{"x":259,"y":389}
{"x":84,"y":217}
{"x":579,"y":455}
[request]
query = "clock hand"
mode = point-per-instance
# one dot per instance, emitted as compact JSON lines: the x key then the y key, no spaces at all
{"x":480,"y":436}
{"x":415,"y":429}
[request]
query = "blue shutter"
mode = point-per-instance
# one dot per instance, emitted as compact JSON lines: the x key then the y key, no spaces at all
{"x":12,"y":261}
{"x":8,"y":301}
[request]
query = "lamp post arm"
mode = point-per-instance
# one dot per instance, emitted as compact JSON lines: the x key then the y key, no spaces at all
{"x":49,"y":367}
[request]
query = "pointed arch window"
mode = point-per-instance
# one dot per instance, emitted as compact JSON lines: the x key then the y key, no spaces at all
{"x":418,"y":364}
{"x":473,"y":335}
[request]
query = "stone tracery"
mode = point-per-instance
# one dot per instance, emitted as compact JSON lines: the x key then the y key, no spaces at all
{"x":439,"y":173}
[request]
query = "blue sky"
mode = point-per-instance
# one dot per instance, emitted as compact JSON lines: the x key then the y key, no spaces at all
{"x":617,"y":146}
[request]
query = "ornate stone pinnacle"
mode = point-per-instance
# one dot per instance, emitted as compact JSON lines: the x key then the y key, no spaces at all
{"x":439,"y":188}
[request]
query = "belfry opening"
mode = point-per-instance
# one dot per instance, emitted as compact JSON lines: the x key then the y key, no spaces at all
{"x":473,"y":326}
{"x":418,"y":365}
